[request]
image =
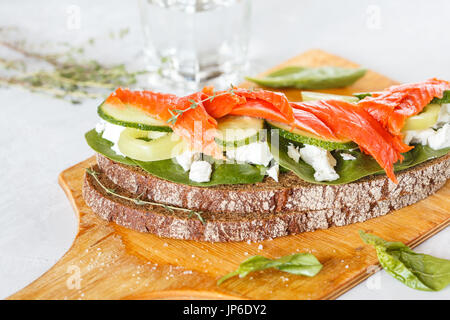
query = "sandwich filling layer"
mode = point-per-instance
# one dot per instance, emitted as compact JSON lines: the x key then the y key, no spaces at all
{"x":241,"y":136}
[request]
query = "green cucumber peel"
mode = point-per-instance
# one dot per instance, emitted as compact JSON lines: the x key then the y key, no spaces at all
{"x":102,"y":114}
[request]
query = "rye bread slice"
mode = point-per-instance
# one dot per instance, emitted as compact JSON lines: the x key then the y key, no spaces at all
{"x":290,"y":194}
{"x":417,"y":183}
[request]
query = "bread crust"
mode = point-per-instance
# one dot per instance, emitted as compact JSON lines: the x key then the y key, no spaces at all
{"x":262,"y":211}
{"x":290,"y":194}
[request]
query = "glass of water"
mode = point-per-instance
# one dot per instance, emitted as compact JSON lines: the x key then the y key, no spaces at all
{"x":190,"y":43}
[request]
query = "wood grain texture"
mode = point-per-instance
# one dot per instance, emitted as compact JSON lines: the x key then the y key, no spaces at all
{"x":117,"y":263}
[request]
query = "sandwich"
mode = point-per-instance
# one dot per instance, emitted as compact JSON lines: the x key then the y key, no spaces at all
{"x":247,"y":164}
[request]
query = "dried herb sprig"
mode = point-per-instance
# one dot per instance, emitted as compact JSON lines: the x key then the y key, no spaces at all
{"x":138,"y":201}
{"x":70,"y":76}
{"x":176,"y":113}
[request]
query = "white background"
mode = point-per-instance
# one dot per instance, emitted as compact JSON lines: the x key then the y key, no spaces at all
{"x":40,"y":136}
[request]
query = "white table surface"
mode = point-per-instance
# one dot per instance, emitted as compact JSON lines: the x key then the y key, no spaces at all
{"x":40,"y":136}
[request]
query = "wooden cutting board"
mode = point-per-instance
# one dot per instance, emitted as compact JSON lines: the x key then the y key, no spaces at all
{"x":107,"y":261}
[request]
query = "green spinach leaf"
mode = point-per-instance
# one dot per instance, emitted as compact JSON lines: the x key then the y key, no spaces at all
{"x":304,"y":264}
{"x":352,"y":170}
{"x":223,"y":173}
{"x":310,"y":78}
{"x":416,"y":270}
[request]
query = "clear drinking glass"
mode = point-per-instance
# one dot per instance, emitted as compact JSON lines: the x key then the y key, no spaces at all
{"x":190,"y":43}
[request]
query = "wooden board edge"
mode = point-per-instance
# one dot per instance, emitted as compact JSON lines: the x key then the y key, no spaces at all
{"x":184,"y":294}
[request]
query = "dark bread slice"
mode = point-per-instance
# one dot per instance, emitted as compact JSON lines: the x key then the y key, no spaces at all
{"x":417,"y":183}
{"x":290,"y":194}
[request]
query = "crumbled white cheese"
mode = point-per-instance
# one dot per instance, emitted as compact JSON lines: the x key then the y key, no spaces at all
{"x":256,"y":153}
{"x":418,"y":136}
{"x":100,"y":127}
{"x":444,"y":115}
{"x":321,"y":160}
{"x":185,"y":159}
{"x":156,"y":134}
{"x":293,"y":152}
{"x":441,"y":138}
{"x":200,"y":171}
{"x":112,"y":133}
{"x":436,"y":139}
{"x":347,"y":156}
{"x":273,"y":171}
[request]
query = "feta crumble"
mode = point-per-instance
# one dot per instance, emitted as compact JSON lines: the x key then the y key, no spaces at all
{"x":256,"y":153}
{"x":436,"y":139}
{"x":347,"y":156}
{"x":320,"y":159}
{"x":273,"y":171}
{"x":185,"y":159}
{"x":418,"y":136}
{"x":100,"y":127}
{"x":111,"y":132}
{"x":156,"y":134}
{"x":293,"y":152}
{"x":200,"y":171}
{"x":441,"y":138}
{"x":444,"y":115}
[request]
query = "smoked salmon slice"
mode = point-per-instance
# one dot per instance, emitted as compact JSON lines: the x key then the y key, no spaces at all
{"x":310,"y":122}
{"x":194,"y":124}
{"x":219,"y":104}
{"x":258,"y":109}
{"x":277,"y":99}
{"x":239,"y":101}
{"x":394,"y":105}
{"x":356,"y":124}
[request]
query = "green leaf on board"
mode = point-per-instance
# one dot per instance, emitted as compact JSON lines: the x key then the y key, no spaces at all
{"x":416,"y":270}
{"x":310,"y":78}
{"x":305,"y":264}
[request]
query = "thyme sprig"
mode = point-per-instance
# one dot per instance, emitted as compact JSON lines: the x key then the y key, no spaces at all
{"x":138,"y":201}
{"x":67,"y":75}
{"x":176,"y":113}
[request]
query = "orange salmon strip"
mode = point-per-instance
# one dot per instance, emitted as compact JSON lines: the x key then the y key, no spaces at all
{"x":194,"y":125}
{"x":353,"y":123}
{"x":396,"y":104}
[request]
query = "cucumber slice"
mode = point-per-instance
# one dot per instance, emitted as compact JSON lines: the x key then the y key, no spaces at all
{"x":311,"y":96}
{"x":135,"y":145}
{"x":234,"y":131}
{"x":305,"y":137}
{"x":424,"y":120}
{"x":131,"y":117}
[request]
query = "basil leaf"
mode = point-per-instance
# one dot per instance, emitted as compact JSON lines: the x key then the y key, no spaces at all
{"x":304,"y":264}
{"x":310,"y":78}
{"x":445,"y":98}
{"x":362,"y":95}
{"x":416,"y":270}
{"x":286,"y":71}
{"x":223,"y":173}
{"x":352,"y":170}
